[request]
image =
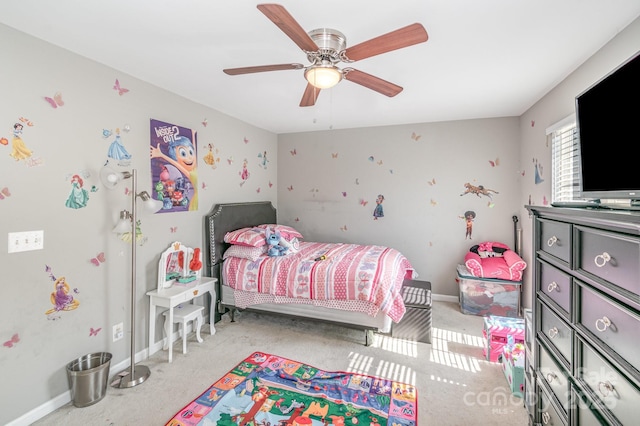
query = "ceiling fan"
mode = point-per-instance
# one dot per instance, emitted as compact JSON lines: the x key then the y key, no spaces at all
{"x":325,"y":47}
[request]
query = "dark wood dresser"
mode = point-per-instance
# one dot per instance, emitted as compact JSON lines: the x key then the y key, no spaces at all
{"x":585,"y":363}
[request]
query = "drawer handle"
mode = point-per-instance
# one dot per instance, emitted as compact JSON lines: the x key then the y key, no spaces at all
{"x":552,"y":286}
{"x":608,"y":388}
{"x":551,"y":377}
{"x":551,"y":241}
{"x":603,"y":323}
{"x":545,"y":418}
{"x":553,"y":332}
{"x":602,"y":259}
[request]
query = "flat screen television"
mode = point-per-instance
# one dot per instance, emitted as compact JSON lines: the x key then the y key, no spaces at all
{"x":608,"y":123}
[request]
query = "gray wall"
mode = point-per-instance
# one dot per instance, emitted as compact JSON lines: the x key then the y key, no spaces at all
{"x":421,"y":178}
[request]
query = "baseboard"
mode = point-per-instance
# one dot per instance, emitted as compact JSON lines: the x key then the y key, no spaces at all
{"x":445,"y":298}
{"x":65,"y":397}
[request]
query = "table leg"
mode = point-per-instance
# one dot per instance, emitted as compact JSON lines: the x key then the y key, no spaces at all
{"x":212,"y":313}
{"x":169,"y":334}
{"x":152,"y":328}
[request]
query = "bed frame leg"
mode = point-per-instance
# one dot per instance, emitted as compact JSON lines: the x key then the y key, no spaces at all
{"x":368,"y":337}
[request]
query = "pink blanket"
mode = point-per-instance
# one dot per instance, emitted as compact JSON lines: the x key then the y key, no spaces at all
{"x":348,"y":272}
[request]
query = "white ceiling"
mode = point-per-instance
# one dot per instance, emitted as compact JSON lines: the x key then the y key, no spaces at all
{"x":484,"y":58}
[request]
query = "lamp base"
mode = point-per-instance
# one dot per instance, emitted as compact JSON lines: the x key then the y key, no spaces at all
{"x":124,"y":379}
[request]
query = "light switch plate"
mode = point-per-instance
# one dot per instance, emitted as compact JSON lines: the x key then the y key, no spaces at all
{"x":25,"y":241}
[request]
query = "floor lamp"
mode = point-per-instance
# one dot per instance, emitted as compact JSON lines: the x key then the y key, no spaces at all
{"x":135,"y":375}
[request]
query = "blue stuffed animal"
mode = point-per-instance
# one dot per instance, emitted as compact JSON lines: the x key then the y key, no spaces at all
{"x":273,"y":241}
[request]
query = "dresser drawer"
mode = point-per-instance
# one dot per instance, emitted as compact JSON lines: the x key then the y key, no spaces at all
{"x":554,"y":376}
{"x":557,"y":332}
{"x":549,"y":415}
{"x":611,"y":323}
{"x":585,"y":412}
{"x":556,"y":285}
{"x":615,"y":391}
{"x":555,"y":239}
{"x":612,"y":257}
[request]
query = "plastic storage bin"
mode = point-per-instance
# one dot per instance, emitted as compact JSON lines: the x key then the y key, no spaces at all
{"x":88,"y":377}
{"x":488,"y":296}
{"x":496,"y":333}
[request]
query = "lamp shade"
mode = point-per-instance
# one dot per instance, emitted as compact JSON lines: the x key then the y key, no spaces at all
{"x":150,"y":204}
{"x":323,"y":76}
{"x":110,"y":177}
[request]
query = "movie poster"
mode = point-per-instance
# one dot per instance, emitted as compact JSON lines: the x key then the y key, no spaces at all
{"x":174,"y":167}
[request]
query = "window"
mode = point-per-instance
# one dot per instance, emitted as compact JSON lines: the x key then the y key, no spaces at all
{"x":565,"y":160}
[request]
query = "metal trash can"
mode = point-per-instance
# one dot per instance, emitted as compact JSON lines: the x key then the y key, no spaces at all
{"x":88,"y":377}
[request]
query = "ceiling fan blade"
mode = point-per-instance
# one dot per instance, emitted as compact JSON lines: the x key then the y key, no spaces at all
{"x":371,"y":82}
{"x":403,"y":37}
{"x":279,"y":16}
{"x":262,"y":68}
{"x":310,"y":96}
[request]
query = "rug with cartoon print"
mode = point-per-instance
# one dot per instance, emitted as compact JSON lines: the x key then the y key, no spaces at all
{"x":267,"y":389}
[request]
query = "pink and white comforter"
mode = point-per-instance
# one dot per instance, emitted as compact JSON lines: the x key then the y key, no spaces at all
{"x":368,"y":278}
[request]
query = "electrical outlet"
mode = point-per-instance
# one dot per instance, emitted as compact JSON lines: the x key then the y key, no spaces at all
{"x":118,"y":332}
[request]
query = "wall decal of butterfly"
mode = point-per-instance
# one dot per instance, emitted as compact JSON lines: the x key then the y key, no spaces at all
{"x":314,"y":191}
{"x":56,"y":101}
{"x":533,"y":123}
{"x":490,"y":204}
{"x":270,"y":184}
{"x":379,"y":162}
{"x":11,"y":342}
{"x":173,"y":229}
{"x":363,"y":202}
{"x":495,"y":163}
{"x":545,"y":202}
{"x":334,"y":155}
{"x":258,"y":190}
{"x":121,"y":90}
{"x":4,"y":192}
{"x":434,"y":202}
{"x":205,"y":122}
{"x":290,"y":188}
{"x":343,"y":228}
{"x":246,"y":140}
{"x":204,"y":186}
{"x":294,"y":152}
{"x":357,"y":181}
{"x":94,"y":331}
{"x":432,"y":182}
{"x":47,"y":269}
{"x":26,"y":121}
{"x":371,"y":158}
{"x":344,"y":193}
{"x":415,"y":136}
{"x":100,"y":258}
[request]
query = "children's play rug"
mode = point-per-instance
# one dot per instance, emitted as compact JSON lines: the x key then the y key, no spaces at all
{"x":267,"y":389}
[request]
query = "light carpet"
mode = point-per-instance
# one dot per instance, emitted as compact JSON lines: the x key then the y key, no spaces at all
{"x":455,"y":384}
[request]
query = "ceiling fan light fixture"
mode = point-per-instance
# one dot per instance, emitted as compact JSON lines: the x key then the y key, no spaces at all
{"x":323,"y":76}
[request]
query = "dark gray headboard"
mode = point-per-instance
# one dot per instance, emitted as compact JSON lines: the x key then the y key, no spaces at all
{"x":228,"y":217}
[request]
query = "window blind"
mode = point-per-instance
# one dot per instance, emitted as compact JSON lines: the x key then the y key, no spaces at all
{"x":565,"y":160}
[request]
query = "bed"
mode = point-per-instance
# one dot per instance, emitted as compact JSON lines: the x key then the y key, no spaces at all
{"x":308,"y":296}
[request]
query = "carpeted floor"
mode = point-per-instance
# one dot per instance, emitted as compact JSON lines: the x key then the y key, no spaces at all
{"x":456,"y":386}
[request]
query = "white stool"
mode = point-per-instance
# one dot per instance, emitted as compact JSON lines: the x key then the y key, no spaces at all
{"x":183,"y":314}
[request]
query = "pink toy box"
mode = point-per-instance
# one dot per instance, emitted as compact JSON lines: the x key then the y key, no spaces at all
{"x":496,"y":334}
{"x":512,"y":361}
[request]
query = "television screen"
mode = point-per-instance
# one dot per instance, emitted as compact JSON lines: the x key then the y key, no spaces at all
{"x":608,"y":120}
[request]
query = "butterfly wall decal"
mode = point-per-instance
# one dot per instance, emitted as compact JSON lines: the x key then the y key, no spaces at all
{"x":495,"y":163}
{"x":363,"y":202}
{"x":297,"y":219}
{"x":258,"y":190}
{"x":290,"y":188}
{"x":173,"y":229}
{"x":26,"y":121}
{"x":14,"y":339}
{"x":343,"y":228}
{"x":334,"y":155}
{"x":204,"y":122}
{"x":270,"y":184}
{"x":98,"y":259}
{"x":432,"y":182}
{"x":230,"y":160}
{"x":47,"y":269}
{"x":379,"y":162}
{"x":94,"y":331}
{"x":204,"y":185}
{"x":344,"y":193}
{"x":4,"y":192}
{"x":246,"y":140}
{"x":293,"y":152}
{"x":415,"y":136}
{"x":121,"y":90}
{"x":56,"y":101}
{"x":434,"y":202}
